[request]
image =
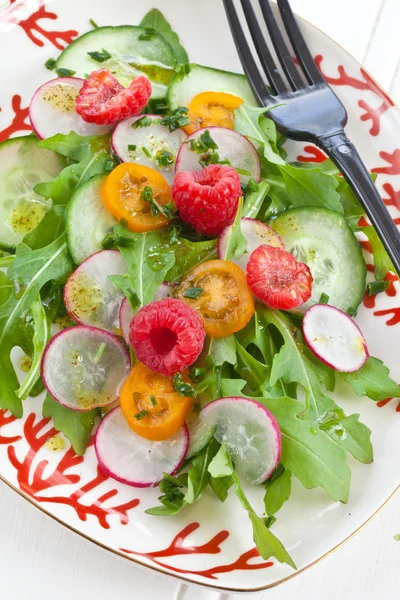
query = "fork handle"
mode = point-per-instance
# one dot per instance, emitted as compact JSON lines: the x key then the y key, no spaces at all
{"x":344,"y":154}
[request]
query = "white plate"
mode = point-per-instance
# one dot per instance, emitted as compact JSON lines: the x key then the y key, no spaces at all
{"x":209,"y":543}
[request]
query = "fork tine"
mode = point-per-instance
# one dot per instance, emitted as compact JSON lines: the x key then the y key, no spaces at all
{"x":281,"y":49}
{"x":266,"y":59}
{"x":299,"y":44}
{"x":249,"y":65}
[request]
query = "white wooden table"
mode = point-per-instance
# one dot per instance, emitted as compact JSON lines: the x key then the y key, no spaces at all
{"x":39,"y":559}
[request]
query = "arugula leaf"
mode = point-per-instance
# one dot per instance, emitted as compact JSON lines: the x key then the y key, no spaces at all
{"x":382,"y":262}
{"x":6,"y":288}
{"x":311,"y":187}
{"x":49,"y":229}
{"x":40,"y":338}
{"x":255,"y":199}
{"x":278,"y":490}
{"x":30,"y":271}
{"x":353,"y":436}
{"x":198,"y":475}
{"x":373,"y":380}
{"x":237,"y":243}
{"x":189,"y":254}
{"x":267,"y":544}
{"x":221,"y":486}
{"x":91,"y":155}
{"x":249,"y":368}
{"x":222,"y":350}
{"x":155,"y":20}
{"x":76,"y":426}
{"x":309,"y":453}
{"x":149,"y":260}
{"x":250,"y":122}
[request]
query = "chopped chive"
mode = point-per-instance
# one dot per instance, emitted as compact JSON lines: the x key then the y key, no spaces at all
{"x":176,"y":119}
{"x":153,"y":400}
{"x":131,"y":147}
{"x":100,"y":352}
{"x":351,"y":311}
{"x":50,"y":64}
{"x":100,"y":56}
{"x":146,"y":194}
{"x":197,"y":373}
{"x":141,"y":415}
{"x":142,"y":122}
{"x":324,"y":299}
{"x":209,"y":158}
{"x":146,"y":152}
{"x":164,"y":158}
{"x":183,"y":388}
{"x":203,"y":143}
{"x":148,"y":34}
{"x":93,"y":24}
{"x":65,"y":72}
{"x":193,"y":293}
{"x":168,"y":210}
{"x":376,"y":287}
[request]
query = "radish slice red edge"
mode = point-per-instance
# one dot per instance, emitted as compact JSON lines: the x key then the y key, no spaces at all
{"x":84,"y":367}
{"x":334,"y":338}
{"x":232,"y":146}
{"x":126,"y":313}
{"x":250,"y":433}
{"x":52,"y":110}
{"x":133,"y":460}
{"x":89,"y":295}
{"x":256,"y":233}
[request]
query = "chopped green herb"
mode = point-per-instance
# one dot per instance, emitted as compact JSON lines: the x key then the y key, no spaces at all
{"x":141,"y":415}
{"x":142,"y":122}
{"x":164,"y":158}
{"x":156,"y":208}
{"x":193,"y":293}
{"x":197,"y":373}
{"x":183,"y":70}
{"x":209,"y":158}
{"x":93,"y":24}
{"x":176,"y":119}
{"x":168,"y":210}
{"x":131,"y":147}
{"x":100,"y":352}
{"x":50,"y":64}
{"x":153,"y":400}
{"x":376,"y":287}
{"x":146,"y":152}
{"x":147,"y":35}
{"x":65,"y":72}
{"x":324,"y":299}
{"x":100,"y":56}
{"x":352,"y":312}
{"x":147,"y":194}
{"x":160,"y":108}
{"x":183,"y":388}
{"x":203,"y":143}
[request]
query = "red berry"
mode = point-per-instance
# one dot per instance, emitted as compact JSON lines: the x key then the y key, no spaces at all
{"x":208,"y":199}
{"x":277,"y":279}
{"x":102,"y":99}
{"x":167,"y":336}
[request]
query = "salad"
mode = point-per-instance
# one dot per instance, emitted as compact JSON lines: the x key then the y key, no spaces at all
{"x":176,"y":287}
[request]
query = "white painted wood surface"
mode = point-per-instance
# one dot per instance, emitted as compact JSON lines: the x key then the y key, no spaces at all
{"x":41,"y":560}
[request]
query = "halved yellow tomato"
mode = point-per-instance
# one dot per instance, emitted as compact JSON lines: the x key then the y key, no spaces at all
{"x":212,"y":109}
{"x":218,"y":291}
{"x":124,"y":194}
{"x":151,"y":405}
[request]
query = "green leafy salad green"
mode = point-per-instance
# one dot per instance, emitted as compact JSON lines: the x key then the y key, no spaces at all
{"x":268,"y":360}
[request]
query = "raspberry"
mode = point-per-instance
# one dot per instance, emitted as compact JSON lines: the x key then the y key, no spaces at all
{"x":277,"y":279}
{"x":208,"y":199}
{"x":102,"y":99}
{"x":167,"y":336}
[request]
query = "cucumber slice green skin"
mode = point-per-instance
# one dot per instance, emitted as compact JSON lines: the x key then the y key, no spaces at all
{"x":22,"y":166}
{"x":205,"y":79}
{"x":323,"y":240}
{"x":130,"y":56}
{"x":87,"y":220}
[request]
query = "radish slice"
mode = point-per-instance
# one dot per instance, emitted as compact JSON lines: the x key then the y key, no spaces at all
{"x":89,"y":295}
{"x":334,"y":338}
{"x":134,"y":144}
{"x":126,"y":313}
{"x":131,"y":459}
{"x":232,"y":146}
{"x":250,"y":433}
{"x":52,"y":110}
{"x":256,"y":234}
{"x":84,"y":368}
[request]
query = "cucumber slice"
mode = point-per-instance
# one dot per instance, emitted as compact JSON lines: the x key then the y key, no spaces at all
{"x":322,"y":239}
{"x":22,"y":166}
{"x":88,"y":221}
{"x":130,"y":56}
{"x":205,"y":79}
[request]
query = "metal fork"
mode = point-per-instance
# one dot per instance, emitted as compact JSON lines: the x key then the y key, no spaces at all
{"x":309,"y":109}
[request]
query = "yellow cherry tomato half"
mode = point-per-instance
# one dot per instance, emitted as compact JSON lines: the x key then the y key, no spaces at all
{"x":218,"y":291}
{"x":151,"y":405}
{"x":212,"y":109}
{"x":137,"y":193}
